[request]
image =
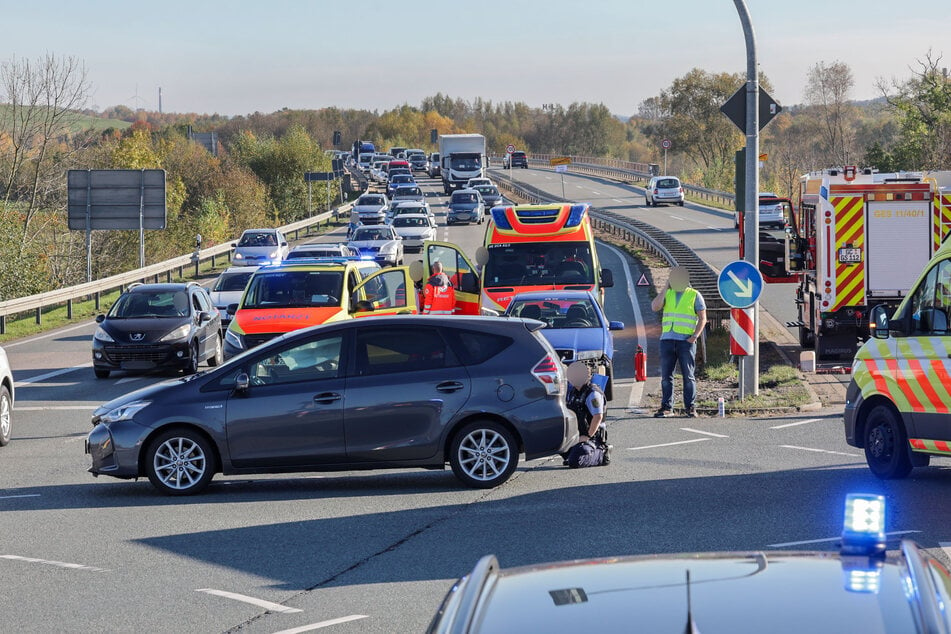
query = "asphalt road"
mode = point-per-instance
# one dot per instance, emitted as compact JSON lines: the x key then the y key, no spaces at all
{"x":376,"y":551}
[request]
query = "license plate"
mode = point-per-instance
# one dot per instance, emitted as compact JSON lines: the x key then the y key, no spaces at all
{"x":850,"y":255}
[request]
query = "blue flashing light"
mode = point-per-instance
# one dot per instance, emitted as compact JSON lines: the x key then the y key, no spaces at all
{"x":500,"y":219}
{"x":863,"y":580}
{"x":863,"y":532}
{"x":575,"y":216}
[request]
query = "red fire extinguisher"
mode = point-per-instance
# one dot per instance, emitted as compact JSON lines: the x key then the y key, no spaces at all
{"x":640,"y":364}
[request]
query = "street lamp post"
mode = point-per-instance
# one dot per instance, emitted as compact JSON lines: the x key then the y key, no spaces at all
{"x":749,"y":365}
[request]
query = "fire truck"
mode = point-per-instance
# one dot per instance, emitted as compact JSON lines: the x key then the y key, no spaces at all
{"x":859,"y":238}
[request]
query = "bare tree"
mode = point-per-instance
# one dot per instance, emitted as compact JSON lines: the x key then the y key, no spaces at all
{"x":828,"y":88}
{"x":44,"y":98}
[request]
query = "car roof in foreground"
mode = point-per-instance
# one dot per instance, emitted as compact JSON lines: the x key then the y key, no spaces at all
{"x":736,"y":592}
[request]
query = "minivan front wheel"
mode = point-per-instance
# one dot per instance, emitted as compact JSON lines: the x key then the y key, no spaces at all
{"x":6,"y":415}
{"x":180,"y":462}
{"x":483,"y":454}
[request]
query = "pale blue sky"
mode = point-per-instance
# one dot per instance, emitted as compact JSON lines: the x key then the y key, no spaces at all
{"x":243,"y":56}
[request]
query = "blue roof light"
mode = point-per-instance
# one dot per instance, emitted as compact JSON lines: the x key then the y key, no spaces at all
{"x":499,"y":218}
{"x":864,"y":530}
{"x":575,"y":216}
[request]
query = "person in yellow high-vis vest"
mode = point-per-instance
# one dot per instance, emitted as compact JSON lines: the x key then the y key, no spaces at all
{"x":684,"y":318}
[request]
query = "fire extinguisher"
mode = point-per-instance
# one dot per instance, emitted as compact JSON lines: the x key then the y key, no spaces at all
{"x":640,"y":364}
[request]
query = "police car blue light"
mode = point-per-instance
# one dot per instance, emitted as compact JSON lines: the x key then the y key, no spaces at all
{"x":864,"y":530}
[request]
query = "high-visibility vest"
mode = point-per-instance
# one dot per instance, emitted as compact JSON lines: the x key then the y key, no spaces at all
{"x":439,"y":300}
{"x":680,"y":317}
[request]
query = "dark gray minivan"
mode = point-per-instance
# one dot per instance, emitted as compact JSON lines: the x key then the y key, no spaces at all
{"x":374,"y":393}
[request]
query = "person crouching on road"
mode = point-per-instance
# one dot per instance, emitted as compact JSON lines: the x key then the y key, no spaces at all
{"x":586,"y":400}
{"x":684,"y":318}
{"x":439,"y":297}
{"x":353,"y":224}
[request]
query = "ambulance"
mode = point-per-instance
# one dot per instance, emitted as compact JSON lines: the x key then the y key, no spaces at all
{"x":525,"y":248}
{"x":858,"y":239}
{"x":300,"y":293}
{"x":898,"y":404}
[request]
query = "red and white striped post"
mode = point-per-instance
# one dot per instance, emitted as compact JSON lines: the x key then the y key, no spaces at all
{"x":741,"y":332}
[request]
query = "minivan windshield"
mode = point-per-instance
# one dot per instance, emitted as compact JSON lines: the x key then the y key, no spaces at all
{"x":539,"y":263}
{"x":294,"y":289}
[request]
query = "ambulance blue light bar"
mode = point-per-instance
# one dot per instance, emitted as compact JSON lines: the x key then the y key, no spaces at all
{"x":863,"y":532}
{"x":498,"y":217}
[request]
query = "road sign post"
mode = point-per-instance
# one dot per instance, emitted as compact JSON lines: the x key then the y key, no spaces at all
{"x":561,"y":163}
{"x":666,"y":144}
{"x":510,"y":150}
{"x":740,"y":284}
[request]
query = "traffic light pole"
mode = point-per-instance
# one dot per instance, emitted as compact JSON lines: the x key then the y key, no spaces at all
{"x":749,"y":365}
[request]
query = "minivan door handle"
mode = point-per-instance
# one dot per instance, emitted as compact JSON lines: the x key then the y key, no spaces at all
{"x":450,"y":386}
{"x":326,"y":398}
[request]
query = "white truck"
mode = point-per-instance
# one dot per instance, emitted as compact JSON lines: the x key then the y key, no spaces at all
{"x":462,"y":156}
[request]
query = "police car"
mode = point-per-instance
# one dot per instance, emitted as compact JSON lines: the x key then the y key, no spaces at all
{"x":859,"y":589}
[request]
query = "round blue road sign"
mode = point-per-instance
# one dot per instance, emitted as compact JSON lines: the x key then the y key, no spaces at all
{"x":740,"y":284}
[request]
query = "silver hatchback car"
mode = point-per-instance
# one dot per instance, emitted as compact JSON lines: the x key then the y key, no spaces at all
{"x":664,"y":189}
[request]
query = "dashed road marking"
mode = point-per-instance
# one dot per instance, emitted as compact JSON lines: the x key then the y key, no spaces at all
{"x":50,"y":562}
{"x":705,"y":433}
{"x":797,"y":423}
{"x":55,"y":333}
{"x":668,"y":444}
{"x":678,"y":218}
{"x":270,"y":606}
{"x":50,"y":375}
{"x":24,"y":495}
{"x":825,"y":540}
{"x":56,"y":408}
{"x":826,"y":451}
{"x":323,"y":624}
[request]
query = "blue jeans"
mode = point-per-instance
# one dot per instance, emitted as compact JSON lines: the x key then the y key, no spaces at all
{"x":672,"y":352}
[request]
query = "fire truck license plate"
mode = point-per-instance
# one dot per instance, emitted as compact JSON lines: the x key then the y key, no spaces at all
{"x":850,"y":255}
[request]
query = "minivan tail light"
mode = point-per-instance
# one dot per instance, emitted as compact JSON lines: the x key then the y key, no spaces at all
{"x":548,"y":373}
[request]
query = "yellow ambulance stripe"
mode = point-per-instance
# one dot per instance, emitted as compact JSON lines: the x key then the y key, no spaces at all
{"x":849,"y":230}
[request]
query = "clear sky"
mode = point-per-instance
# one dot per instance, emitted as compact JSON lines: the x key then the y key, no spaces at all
{"x":242,"y":56}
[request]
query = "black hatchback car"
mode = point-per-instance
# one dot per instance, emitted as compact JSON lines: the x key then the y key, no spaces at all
{"x":151,"y":326}
{"x":375,"y":393}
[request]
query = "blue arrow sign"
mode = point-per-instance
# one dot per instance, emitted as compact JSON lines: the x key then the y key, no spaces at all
{"x":740,"y":284}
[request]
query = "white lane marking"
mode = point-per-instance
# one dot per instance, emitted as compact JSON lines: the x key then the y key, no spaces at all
{"x":834,"y":453}
{"x":128,"y":379}
{"x":797,"y":423}
{"x":322,"y":624}
{"x":548,"y":177}
{"x":617,"y":200}
{"x":637,"y":391}
{"x":580,"y":186}
{"x":56,"y":408}
{"x":50,"y":375}
{"x":668,"y":444}
{"x":678,"y":218}
{"x":705,"y":433}
{"x":825,"y":540}
{"x":24,"y":495}
{"x":49,"y":562}
{"x":595,"y":193}
{"x":49,"y":334}
{"x":261,"y":603}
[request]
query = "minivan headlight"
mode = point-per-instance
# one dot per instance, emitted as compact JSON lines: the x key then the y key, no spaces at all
{"x":234,"y":339}
{"x":179,"y":333}
{"x":124,"y":412}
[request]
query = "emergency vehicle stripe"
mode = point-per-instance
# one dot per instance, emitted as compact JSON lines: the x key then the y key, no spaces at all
{"x":943,"y":381}
{"x":881,"y":385}
{"x":904,"y":386}
{"x":942,"y":219}
{"x":937,"y":403}
{"x":849,"y":230}
{"x":930,"y":446}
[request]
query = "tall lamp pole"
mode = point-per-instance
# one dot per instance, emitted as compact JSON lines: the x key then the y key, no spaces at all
{"x":749,"y":365}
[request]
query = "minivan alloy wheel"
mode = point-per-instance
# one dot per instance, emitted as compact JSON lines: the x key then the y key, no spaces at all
{"x":484,"y":454}
{"x":180,"y":462}
{"x":6,"y":416}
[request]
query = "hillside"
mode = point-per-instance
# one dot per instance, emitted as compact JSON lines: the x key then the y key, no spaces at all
{"x":80,"y":123}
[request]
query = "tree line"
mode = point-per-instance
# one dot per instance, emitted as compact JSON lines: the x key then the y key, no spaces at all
{"x":256,"y":177}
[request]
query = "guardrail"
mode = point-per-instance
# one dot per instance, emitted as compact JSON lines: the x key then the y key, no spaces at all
{"x":627,"y":171}
{"x":95,"y":289}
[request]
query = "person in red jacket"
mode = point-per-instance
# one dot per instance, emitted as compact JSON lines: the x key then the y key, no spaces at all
{"x":439,"y":297}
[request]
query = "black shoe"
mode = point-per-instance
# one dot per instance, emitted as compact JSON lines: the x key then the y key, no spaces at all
{"x":691,"y":413}
{"x":607,"y":455}
{"x":663,"y":413}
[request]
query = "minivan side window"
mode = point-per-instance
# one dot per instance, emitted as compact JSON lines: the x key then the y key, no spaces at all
{"x":475,"y":347}
{"x":931,"y":303}
{"x":401,"y":349}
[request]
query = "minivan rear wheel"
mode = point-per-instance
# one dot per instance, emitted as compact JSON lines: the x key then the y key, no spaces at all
{"x":886,"y":445}
{"x":483,"y":454}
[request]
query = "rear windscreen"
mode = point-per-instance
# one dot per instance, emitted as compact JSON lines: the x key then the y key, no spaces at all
{"x":668,"y":183}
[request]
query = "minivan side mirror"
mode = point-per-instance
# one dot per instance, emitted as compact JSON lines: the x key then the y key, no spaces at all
{"x":100,"y":319}
{"x":242,"y":382}
{"x":879,"y":324}
{"x":607,"y":278}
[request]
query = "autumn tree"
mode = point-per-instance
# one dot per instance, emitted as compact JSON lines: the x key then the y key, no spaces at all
{"x":828,"y":90}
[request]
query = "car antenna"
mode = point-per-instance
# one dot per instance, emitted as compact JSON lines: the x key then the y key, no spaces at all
{"x":691,"y":625}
